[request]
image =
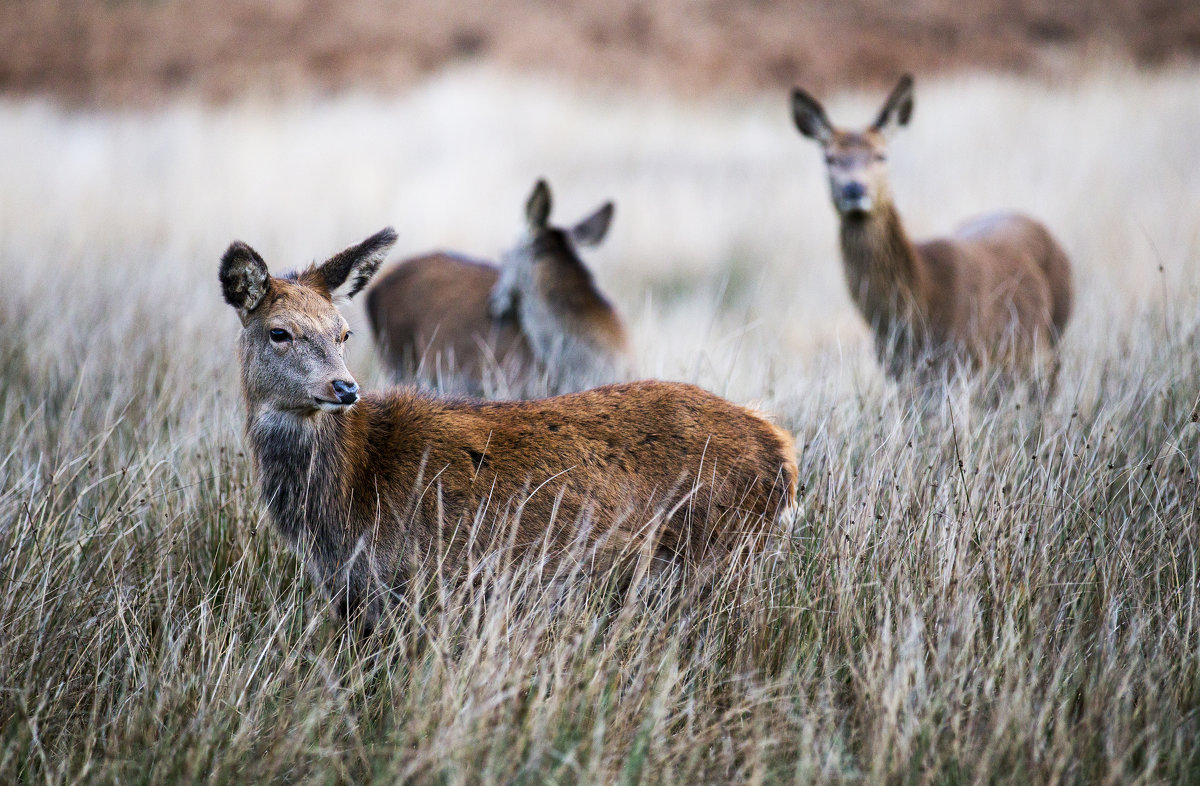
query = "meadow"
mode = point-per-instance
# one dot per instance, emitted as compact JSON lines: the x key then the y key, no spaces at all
{"x":966,"y":594}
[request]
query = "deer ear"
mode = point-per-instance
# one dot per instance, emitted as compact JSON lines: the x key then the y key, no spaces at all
{"x":592,"y":230}
{"x":346,"y":273}
{"x":537,"y":208}
{"x":244,"y":278}
{"x":810,"y":116}
{"x":898,"y":108}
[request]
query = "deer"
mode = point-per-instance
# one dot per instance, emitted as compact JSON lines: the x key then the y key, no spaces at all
{"x":534,"y":324}
{"x":996,"y":294}
{"x":369,"y":488}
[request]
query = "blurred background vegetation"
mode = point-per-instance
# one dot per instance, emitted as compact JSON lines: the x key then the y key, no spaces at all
{"x":141,"y":50}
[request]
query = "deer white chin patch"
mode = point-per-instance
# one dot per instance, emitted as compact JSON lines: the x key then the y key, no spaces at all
{"x":860,"y":206}
{"x":332,"y":406}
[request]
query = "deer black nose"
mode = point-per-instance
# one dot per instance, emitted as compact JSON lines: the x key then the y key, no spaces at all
{"x":347,"y":391}
{"x":852,"y":192}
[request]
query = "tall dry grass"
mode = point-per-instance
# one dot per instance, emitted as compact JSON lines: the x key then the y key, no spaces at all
{"x":968,"y":595}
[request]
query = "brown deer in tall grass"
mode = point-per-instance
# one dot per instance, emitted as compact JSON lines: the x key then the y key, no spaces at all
{"x":535,"y":325}
{"x":997,"y":294}
{"x":369,"y":488}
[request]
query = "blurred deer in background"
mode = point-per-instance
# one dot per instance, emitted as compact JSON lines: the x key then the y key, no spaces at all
{"x":996,"y":294}
{"x":371,"y":488}
{"x":535,"y":325}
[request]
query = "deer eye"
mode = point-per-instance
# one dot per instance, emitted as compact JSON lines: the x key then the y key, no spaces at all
{"x":346,"y":336}
{"x":279,"y":335}
{"x":879,"y":157}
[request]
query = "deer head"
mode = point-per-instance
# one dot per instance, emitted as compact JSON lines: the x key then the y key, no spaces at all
{"x":856,"y":160}
{"x":546,"y":259}
{"x":292,"y":343}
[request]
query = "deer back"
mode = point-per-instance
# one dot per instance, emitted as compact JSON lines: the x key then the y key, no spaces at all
{"x":430,"y":319}
{"x":612,"y":470}
{"x":1009,"y":285}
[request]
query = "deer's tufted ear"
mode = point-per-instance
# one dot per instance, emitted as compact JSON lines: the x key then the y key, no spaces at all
{"x":810,"y":117}
{"x":537,"y":209}
{"x":244,"y":278}
{"x":592,"y":230}
{"x":898,"y":108}
{"x":346,"y":273}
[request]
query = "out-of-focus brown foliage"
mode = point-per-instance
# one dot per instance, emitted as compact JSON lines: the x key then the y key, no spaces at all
{"x":135,"y":51}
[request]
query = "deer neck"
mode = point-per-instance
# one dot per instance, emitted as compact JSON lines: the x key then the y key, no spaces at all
{"x":883,"y":270}
{"x":302,"y":463}
{"x":555,"y":309}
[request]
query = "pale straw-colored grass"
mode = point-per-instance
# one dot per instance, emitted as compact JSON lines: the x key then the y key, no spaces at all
{"x":967,"y":595}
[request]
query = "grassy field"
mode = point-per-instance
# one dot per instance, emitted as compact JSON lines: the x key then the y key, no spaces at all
{"x":966,"y":596}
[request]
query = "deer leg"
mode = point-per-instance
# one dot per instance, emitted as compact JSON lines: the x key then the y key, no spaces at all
{"x":356,"y":597}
